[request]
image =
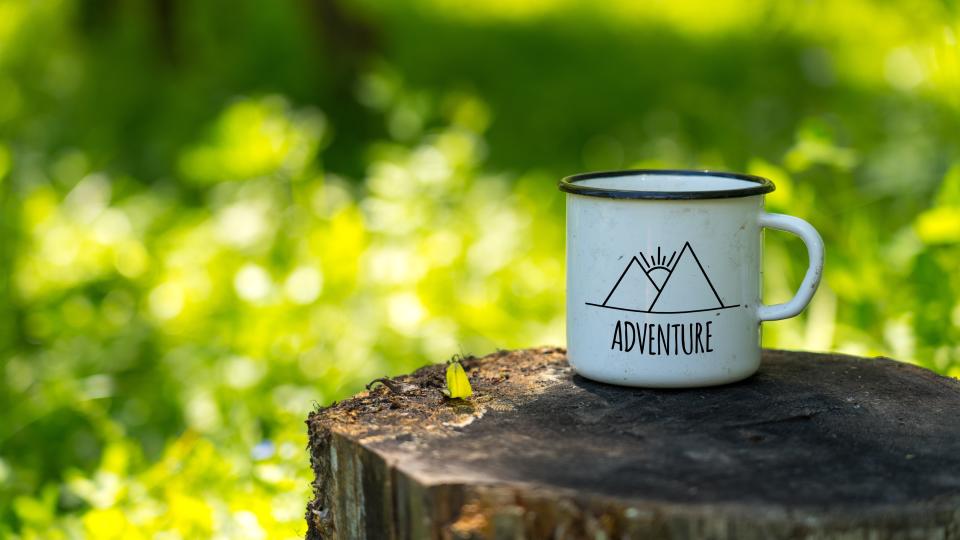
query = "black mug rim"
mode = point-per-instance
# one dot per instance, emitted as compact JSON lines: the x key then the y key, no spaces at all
{"x":760,"y":187}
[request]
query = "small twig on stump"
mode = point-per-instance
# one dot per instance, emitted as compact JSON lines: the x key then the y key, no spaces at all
{"x":392,"y":385}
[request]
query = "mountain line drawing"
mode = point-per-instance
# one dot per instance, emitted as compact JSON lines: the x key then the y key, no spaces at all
{"x":655,"y":283}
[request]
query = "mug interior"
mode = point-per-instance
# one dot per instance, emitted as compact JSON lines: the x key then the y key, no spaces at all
{"x":666,"y":184}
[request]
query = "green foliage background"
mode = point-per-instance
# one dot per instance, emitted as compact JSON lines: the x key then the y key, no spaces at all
{"x":219,"y":214}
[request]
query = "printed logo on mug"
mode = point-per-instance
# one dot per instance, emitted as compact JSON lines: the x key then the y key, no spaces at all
{"x":664,"y":275}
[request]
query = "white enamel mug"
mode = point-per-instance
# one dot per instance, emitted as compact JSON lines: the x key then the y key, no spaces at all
{"x":664,"y":275}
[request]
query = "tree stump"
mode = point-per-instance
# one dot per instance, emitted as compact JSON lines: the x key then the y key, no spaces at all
{"x":812,"y":446}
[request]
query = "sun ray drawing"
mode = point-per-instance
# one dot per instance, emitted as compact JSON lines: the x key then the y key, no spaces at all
{"x":658,"y":268}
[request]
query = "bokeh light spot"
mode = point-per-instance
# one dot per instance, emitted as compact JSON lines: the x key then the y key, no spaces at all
{"x":303,"y":285}
{"x":252,"y":283}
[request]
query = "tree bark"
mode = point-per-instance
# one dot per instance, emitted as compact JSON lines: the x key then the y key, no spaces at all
{"x":813,"y":446}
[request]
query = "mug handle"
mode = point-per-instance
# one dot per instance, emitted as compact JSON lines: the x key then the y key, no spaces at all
{"x":811,"y":280}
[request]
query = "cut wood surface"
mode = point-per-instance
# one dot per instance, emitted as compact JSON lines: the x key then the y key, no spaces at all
{"x":812,"y":446}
